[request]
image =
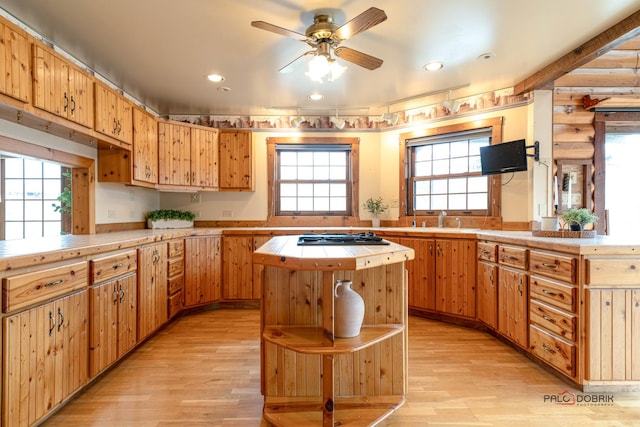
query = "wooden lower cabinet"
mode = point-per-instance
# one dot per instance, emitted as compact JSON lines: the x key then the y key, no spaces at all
{"x":513,"y":305}
{"x":202,"y":271}
{"x":421,"y":273}
{"x":45,"y":358}
{"x":487,"y":304}
{"x":152,"y":289}
{"x":113,"y":308}
{"x":238,"y":270}
{"x":456,"y":277}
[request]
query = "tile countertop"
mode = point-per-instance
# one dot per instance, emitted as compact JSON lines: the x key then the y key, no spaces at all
{"x":23,"y":253}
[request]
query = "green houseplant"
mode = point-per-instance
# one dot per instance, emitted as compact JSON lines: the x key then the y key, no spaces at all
{"x":375,"y":207}
{"x":170,"y":218}
{"x":577,"y":218}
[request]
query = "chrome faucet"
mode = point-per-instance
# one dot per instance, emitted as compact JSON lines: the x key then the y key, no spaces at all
{"x":441,"y":219}
{"x":458,"y":222}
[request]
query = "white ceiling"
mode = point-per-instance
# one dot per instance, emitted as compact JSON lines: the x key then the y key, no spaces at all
{"x":159,"y":51}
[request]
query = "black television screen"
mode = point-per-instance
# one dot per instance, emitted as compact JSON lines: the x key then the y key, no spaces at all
{"x":502,"y":158}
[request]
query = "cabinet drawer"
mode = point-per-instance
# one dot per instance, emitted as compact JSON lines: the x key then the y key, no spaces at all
{"x":176,"y":284}
{"x":558,"y":294}
{"x":556,"y":351}
{"x":176,"y":248}
{"x":112,"y":266}
{"x":552,"y":319}
{"x":176,"y":302}
{"x":175,"y":267}
{"x":553,"y":265}
{"x":513,"y":256}
{"x":23,"y":290}
{"x":487,"y":251}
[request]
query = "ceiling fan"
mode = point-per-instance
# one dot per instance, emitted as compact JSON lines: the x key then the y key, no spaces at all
{"x":324,"y":35}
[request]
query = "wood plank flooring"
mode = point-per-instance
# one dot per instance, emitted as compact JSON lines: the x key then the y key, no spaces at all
{"x":203,"y":370}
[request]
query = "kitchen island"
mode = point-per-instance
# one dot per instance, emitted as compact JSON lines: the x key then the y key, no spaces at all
{"x":308,"y":376}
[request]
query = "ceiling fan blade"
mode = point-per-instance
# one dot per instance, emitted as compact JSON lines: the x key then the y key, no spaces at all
{"x":278,"y":30}
{"x":362,"y":59}
{"x":367,"y":19}
{"x":291,"y":66}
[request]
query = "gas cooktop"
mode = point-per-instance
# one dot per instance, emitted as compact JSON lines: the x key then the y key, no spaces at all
{"x":368,"y":238}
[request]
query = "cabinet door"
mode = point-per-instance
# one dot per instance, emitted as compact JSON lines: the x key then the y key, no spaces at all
{"x":237,"y":266}
{"x":145,"y":147}
{"x":80,"y":102}
{"x":455,"y":277}
{"x":258,"y":268}
{"x":106,"y":121}
{"x":488,"y":294}
{"x":124,"y":117}
{"x":235,"y":161}
{"x":512,"y":299}
{"x":204,"y":158}
{"x":14,"y":64}
{"x":152,"y":289}
{"x":202,"y":270}
{"x":45,"y":358}
{"x":127,"y":313}
{"x":103,"y":335}
{"x":421,"y":270}
{"x":50,"y":82}
{"x":174,"y":154}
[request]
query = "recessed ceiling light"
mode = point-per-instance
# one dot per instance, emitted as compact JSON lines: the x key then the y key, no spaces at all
{"x":216,"y":78}
{"x":316,"y":97}
{"x":433,"y":66}
{"x":486,"y":56}
{"x":224,"y":89}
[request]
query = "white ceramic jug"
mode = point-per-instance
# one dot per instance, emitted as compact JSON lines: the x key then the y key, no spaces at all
{"x":348,"y":311}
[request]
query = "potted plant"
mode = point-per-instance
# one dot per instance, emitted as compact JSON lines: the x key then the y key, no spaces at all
{"x":170,"y":218}
{"x":376,"y":207}
{"x":577,"y":218}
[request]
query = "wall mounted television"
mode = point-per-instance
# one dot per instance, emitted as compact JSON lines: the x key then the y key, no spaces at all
{"x":502,"y":158}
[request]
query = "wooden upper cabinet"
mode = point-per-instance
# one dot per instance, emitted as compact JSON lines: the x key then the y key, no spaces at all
{"x":114,"y":115}
{"x":174,"y":154}
{"x":61,"y":88}
{"x":204,"y":157}
{"x":14,"y":64}
{"x":145,"y":147}
{"x":235,"y":160}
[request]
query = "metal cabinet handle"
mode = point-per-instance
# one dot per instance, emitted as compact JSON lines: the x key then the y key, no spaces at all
{"x":115,"y":294}
{"x":115,"y":126}
{"x":550,"y":350}
{"x":546,"y":264}
{"x":520,"y":286}
{"x":438,"y":250}
{"x":52,"y":323}
{"x":121,"y":293}
{"x":66,"y":102}
{"x":61,"y":318}
{"x":73,"y":104}
{"x":156,"y":256}
{"x":54,"y":283}
{"x":511,"y":257}
{"x":491,"y":278}
{"x":548,"y":319}
{"x":550,"y":293}
{"x":118,"y":265}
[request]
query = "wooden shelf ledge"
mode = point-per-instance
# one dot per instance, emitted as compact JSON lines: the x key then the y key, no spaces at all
{"x":311,"y":339}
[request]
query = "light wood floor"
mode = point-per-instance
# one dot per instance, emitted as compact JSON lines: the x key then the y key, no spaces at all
{"x":203,"y":370}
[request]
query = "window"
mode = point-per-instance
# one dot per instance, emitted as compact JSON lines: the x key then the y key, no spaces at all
{"x":31,"y":188}
{"x":313,"y":176}
{"x":441,"y":168}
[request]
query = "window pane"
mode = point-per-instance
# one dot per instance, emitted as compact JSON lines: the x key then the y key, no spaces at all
{"x":338,"y":172}
{"x":439,"y":186}
{"x":305,"y":158}
{"x":423,"y":169}
{"x":474,"y":164}
{"x":13,"y":189}
{"x":459,"y":149}
{"x":457,"y":201}
{"x":475,"y":144}
{"x":459,"y":165}
{"x":305,"y":172}
{"x":33,"y":188}
{"x":51,"y":170}
{"x":288,"y":158}
{"x":288,"y":190}
{"x":321,"y":159}
{"x":423,"y":187}
{"x":423,"y":153}
{"x":321,"y":204}
{"x":339,"y":204}
{"x":439,"y":202}
{"x":288,"y":172}
{"x":422,"y":203}
{"x":305,"y":190}
{"x":33,"y":211}
{"x":32,"y":229}
{"x":338,"y":190}
{"x":440,"y":151}
{"x":288,"y":204}
{"x":321,"y":190}
{"x":32,"y":168}
{"x":441,"y":167}
{"x":50,"y":213}
{"x":305,"y":204}
{"x":13,"y":231}
{"x":478,"y":184}
{"x":13,"y":211}
{"x":478,"y":201}
{"x":458,"y":185}
{"x":51,"y":189}
{"x":13,"y":169}
{"x":338,"y":159}
{"x":52,"y":228}
{"x":321,"y":173}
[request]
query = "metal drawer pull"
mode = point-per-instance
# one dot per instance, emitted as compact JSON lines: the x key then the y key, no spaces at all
{"x":120,"y":264}
{"x":548,"y":319}
{"x":551,"y":294}
{"x":511,"y":257}
{"x":545,"y":264}
{"x":57,"y":282}
{"x":550,"y":350}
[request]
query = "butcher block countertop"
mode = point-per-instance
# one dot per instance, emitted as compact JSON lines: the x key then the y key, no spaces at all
{"x":284,"y":251}
{"x":23,"y":253}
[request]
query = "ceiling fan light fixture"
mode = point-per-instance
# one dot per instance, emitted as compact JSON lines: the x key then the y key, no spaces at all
{"x":316,"y":97}
{"x":215,"y":78}
{"x":434,"y":66}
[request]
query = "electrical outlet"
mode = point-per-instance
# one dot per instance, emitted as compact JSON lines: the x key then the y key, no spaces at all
{"x":111,"y":213}
{"x":227,"y":214}
{"x":195,"y":198}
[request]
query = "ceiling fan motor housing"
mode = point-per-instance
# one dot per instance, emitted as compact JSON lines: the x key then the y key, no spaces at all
{"x":322,"y":28}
